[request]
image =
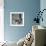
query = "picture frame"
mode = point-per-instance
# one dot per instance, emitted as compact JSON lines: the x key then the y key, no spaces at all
{"x":16,"y":18}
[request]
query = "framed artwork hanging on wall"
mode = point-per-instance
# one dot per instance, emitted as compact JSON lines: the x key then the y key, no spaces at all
{"x":16,"y":18}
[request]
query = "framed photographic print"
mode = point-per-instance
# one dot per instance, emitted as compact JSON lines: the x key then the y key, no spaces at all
{"x":16,"y":18}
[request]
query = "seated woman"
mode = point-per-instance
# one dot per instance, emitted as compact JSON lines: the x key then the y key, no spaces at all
{"x":26,"y":41}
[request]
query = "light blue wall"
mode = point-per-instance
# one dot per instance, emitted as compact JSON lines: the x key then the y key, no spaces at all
{"x":29,"y":7}
{"x":43,"y":6}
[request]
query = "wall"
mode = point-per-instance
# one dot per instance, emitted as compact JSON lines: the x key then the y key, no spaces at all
{"x":43,"y":6}
{"x":29,"y":7}
{"x":1,"y":21}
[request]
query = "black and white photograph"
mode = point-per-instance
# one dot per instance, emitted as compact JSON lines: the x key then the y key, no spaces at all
{"x":17,"y":18}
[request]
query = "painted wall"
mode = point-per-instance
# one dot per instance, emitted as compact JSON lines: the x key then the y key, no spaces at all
{"x":29,"y":7}
{"x":43,"y":6}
